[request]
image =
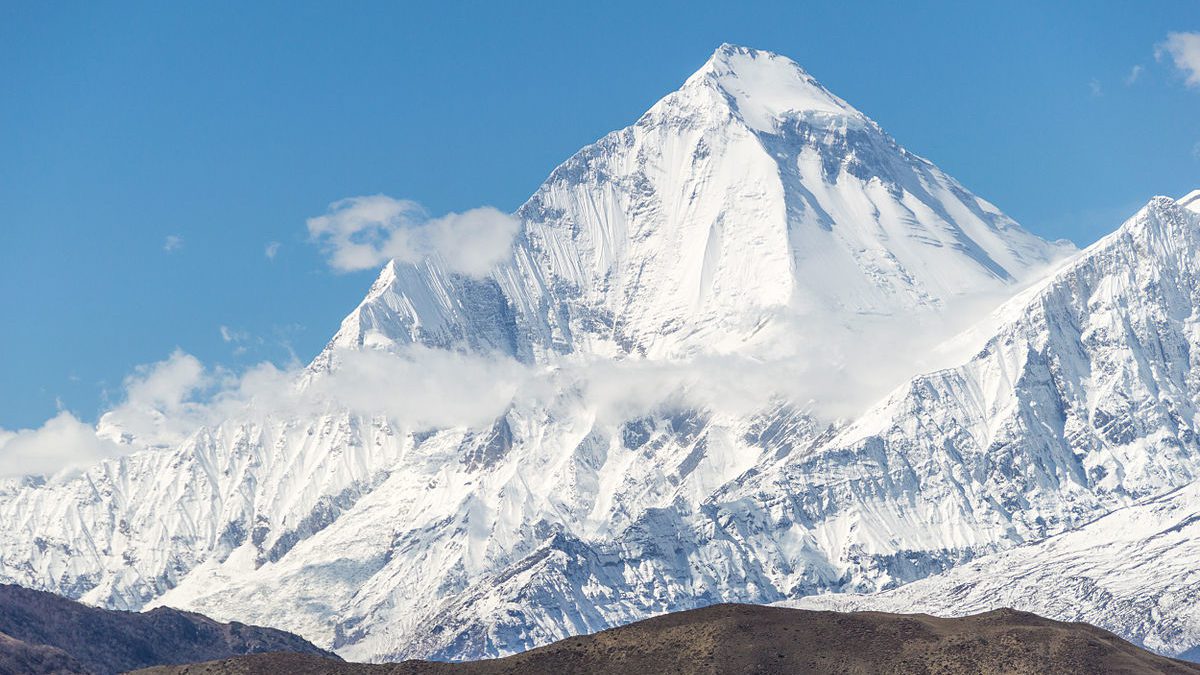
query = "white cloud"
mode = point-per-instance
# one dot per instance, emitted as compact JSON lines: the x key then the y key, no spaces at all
{"x":417,"y":388}
{"x":161,"y":405}
{"x":364,"y":232}
{"x":1184,"y":50}
{"x":1095,"y":87}
{"x":62,"y":444}
{"x":272,"y":250}
{"x":420,"y":388}
{"x":172,"y":243}
{"x":1134,"y":74}
{"x":166,"y":383}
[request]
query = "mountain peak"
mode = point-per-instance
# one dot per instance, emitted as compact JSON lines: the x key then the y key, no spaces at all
{"x":1164,"y":229}
{"x":1163,"y":211}
{"x":765,"y":87}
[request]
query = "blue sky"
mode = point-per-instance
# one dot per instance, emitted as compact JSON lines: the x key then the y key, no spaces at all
{"x":152,"y":153}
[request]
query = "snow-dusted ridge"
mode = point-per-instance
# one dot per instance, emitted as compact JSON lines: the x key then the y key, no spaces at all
{"x":750,"y":222}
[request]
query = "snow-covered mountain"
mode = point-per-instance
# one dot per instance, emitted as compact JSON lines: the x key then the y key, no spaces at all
{"x":742,"y":224}
{"x":749,"y":196}
{"x":1081,"y":400}
{"x":1132,"y":572}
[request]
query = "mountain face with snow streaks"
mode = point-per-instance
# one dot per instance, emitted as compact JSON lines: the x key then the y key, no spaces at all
{"x":1132,"y":571}
{"x":1132,"y":420}
{"x":751,"y":215}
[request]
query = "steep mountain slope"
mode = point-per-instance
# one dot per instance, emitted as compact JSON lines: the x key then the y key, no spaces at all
{"x":751,"y":214}
{"x":749,"y":190}
{"x":1133,"y":571}
{"x":45,"y":633}
{"x":747,"y":638}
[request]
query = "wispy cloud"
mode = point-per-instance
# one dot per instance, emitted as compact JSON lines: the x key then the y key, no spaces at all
{"x":1134,"y":74}
{"x":272,"y":250}
{"x":364,"y":232}
{"x":1095,"y":87}
{"x":172,"y":243}
{"x":237,"y":338}
{"x":1184,"y":51}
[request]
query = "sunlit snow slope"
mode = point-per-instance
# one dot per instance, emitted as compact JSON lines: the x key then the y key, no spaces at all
{"x":1132,"y":572}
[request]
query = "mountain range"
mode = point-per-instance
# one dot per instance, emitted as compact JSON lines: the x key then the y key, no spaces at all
{"x":759,"y":352}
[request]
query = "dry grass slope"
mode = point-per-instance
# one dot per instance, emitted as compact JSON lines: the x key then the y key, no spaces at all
{"x":755,"y":639}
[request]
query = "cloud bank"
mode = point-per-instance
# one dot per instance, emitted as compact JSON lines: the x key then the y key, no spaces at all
{"x":62,"y":444}
{"x":419,"y":389}
{"x":364,"y":232}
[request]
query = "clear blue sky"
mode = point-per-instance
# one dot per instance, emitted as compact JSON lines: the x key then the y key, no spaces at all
{"x":228,"y":124}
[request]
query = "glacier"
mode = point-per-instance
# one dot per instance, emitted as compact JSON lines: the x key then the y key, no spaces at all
{"x":931,"y":386}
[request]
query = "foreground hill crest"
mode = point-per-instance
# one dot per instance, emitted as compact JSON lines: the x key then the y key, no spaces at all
{"x":747,"y":638}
